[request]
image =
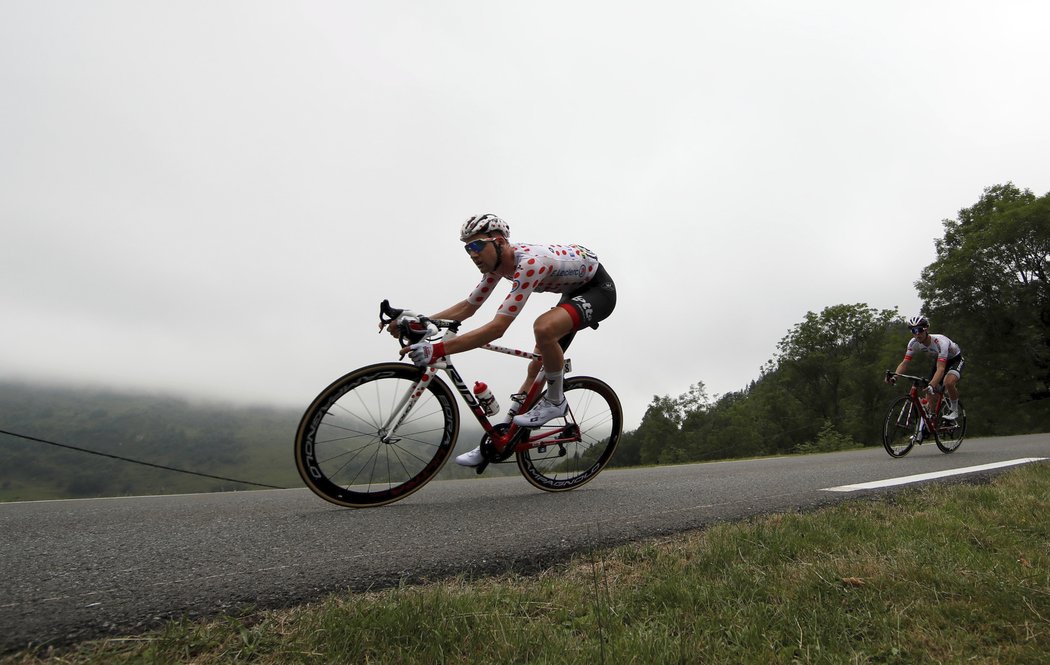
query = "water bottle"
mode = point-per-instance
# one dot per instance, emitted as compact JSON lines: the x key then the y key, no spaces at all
{"x":485,"y":398}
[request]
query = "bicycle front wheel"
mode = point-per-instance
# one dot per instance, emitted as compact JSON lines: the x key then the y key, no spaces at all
{"x":347,"y":450}
{"x":950,"y":433}
{"x":902,"y":423}
{"x":595,"y":420}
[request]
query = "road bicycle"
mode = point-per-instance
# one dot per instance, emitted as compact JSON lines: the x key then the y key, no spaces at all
{"x":381,"y":432}
{"x":917,"y":416}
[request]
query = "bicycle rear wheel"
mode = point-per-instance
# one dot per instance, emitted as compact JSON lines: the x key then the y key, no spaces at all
{"x":595,"y":413}
{"x":950,"y":433}
{"x":343,"y":453}
{"x":902,"y":423}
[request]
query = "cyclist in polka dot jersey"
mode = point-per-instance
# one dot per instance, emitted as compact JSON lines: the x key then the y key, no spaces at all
{"x":539,"y":268}
{"x":588,"y":296}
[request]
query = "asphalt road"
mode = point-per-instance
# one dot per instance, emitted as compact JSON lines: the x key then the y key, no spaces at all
{"x":72,"y":570}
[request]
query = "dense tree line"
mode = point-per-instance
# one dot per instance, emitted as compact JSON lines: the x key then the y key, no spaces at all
{"x":823,"y":389}
{"x":990,"y":281}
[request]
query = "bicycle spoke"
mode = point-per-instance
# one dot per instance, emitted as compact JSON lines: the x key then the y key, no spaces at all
{"x":343,"y":452}
{"x":950,"y":432}
{"x":595,"y":418}
{"x":901,"y":428}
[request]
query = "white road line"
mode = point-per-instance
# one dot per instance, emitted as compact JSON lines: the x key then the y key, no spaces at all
{"x":903,"y":480}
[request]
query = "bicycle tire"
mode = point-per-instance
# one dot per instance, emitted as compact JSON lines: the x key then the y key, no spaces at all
{"x":339,"y":449}
{"x":898,"y":431}
{"x":595,"y":409}
{"x":950,"y":433}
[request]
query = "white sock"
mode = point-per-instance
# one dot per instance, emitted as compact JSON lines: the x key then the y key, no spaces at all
{"x":554,"y":387}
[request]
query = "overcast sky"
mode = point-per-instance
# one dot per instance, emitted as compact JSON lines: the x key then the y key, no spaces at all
{"x":211,"y":198}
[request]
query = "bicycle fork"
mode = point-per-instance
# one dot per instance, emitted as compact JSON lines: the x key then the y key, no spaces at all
{"x":388,"y":432}
{"x":925,"y":425}
{"x":920,"y":429}
{"x":904,"y":421}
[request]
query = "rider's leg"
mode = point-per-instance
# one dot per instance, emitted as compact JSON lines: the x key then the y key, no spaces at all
{"x":550,"y":327}
{"x":553,"y":330}
{"x":517,"y":400}
{"x":951,"y":388}
{"x":530,"y":375}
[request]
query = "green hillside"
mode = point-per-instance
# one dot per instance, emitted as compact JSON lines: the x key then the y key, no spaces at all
{"x":251,"y":444}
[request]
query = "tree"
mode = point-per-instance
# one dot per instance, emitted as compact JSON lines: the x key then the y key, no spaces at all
{"x":826,"y":377}
{"x":659,"y":429}
{"x":994,"y":256}
{"x":830,"y":364}
{"x":989,"y":287}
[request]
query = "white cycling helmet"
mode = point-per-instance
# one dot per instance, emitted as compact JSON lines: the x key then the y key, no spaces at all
{"x":483,"y":224}
{"x":919,"y":321}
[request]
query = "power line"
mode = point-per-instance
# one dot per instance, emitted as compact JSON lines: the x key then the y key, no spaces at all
{"x":135,"y":461}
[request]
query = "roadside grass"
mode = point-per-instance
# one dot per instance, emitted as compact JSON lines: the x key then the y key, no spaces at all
{"x":951,"y":573}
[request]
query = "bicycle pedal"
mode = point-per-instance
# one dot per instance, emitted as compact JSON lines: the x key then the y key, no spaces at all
{"x":541,"y":449}
{"x":479,"y":469}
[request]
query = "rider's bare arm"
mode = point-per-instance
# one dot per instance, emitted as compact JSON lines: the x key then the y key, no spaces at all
{"x":489,"y":332}
{"x":938,"y":375}
{"x":890,"y":378}
{"x":461,"y":311}
{"x":492,"y":330}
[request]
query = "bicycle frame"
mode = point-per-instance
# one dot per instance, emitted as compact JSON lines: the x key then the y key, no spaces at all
{"x":353,"y":451}
{"x":925,"y":410}
{"x":501,"y":437}
{"x":928,"y":412}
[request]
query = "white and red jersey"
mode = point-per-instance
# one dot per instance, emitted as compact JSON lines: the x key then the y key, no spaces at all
{"x":539,"y":268}
{"x":940,"y":346}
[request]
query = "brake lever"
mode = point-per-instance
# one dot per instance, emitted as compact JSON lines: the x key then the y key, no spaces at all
{"x":408,"y":335}
{"x":402,"y":336}
{"x":391,"y":312}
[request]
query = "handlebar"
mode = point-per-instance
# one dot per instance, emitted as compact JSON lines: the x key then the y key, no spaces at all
{"x":917,"y":380}
{"x":412,"y":327}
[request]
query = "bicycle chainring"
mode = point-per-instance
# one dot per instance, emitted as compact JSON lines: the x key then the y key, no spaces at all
{"x":488,"y":448}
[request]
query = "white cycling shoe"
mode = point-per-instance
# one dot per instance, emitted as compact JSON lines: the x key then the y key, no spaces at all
{"x":950,"y":414}
{"x":472,"y":458}
{"x":541,"y":413}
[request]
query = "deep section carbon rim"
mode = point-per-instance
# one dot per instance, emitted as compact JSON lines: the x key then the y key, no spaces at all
{"x":950,"y":433}
{"x":596,"y":418}
{"x":344,"y":455}
{"x":901,"y":425}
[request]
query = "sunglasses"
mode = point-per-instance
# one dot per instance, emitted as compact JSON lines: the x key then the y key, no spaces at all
{"x":916,"y":331}
{"x":475,"y":246}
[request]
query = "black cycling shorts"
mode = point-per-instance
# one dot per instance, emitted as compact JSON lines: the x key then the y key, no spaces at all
{"x":953,"y":365}
{"x":589,"y":304}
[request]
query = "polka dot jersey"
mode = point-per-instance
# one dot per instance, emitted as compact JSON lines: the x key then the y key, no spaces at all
{"x":539,"y":268}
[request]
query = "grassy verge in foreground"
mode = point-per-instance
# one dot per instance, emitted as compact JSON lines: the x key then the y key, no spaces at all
{"x":954,"y":573}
